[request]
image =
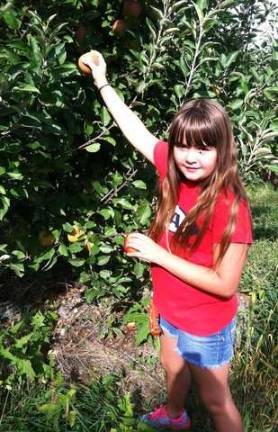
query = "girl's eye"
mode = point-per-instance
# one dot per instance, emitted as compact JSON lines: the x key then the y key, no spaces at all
{"x":203,"y":150}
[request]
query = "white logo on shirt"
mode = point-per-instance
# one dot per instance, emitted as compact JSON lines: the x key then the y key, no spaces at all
{"x":177,"y":219}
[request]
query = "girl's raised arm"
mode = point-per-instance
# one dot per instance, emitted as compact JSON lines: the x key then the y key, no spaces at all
{"x":129,"y":123}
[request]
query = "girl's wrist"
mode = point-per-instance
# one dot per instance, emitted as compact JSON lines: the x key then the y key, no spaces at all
{"x":161,"y":256}
{"x":101,"y":83}
{"x":104,"y":85}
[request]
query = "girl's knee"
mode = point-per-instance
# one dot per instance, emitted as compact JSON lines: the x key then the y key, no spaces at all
{"x":215,"y":403}
{"x":174,"y":365}
{"x":165,"y":362}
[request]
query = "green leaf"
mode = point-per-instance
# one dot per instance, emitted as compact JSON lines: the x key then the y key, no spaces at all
{"x":273,"y":168}
{"x":105,"y":116}
{"x":231,"y":58}
{"x":71,"y":417}
{"x":6,"y":354}
{"x":93,"y":148}
{"x":117,"y":179}
{"x":15,"y":175}
{"x":27,"y":88}
{"x":179,"y":90}
{"x":124,"y":203}
{"x":227,"y":3}
{"x":143,"y":213}
{"x":44,"y":256}
{"x":88,"y":128}
{"x":66,"y":70}
{"x":139,"y":269}
{"x":38,"y":320}
{"x":49,"y":408}
{"x":106,"y":249}
{"x":271,"y":93}
{"x":222,"y":6}
{"x":139,"y":184}
{"x":11,"y":19}
{"x":102,"y":260}
{"x":151,"y":27}
{"x":110,"y":231}
{"x":68,"y":227}
{"x":107,"y":213}
{"x":178,"y":4}
{"x":141,"y":87}
{"x":199,"y":13}
{"x":18,"y":268}
{"x":236,"y":104}
{"x":25,"y":368}
{"x":5,"y":206}
{"x":190,"y":44}
{"x":110,"y":140}
{"x":76,"y":247}
{"x":142,"y":332}
{"x":19,"y":254}
{"x":76,"y":262}
{"x":157,"y":11}
{"x":203,"y":4}
{"x":23,"y":340}
{"x":62,"y":250}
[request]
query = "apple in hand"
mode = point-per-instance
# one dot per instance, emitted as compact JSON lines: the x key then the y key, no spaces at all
{"x":91,"y":55}
{"x":128,"y":249}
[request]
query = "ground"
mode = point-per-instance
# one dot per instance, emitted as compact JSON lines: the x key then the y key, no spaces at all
{"x":85,"y":350}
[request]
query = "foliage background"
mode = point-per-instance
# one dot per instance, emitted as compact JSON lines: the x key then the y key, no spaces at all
{"x":65,"y":167}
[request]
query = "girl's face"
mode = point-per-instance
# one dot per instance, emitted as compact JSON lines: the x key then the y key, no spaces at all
{"x":194,"y":163}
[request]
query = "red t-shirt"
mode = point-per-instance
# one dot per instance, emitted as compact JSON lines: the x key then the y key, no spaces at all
{"x":187,"y":307}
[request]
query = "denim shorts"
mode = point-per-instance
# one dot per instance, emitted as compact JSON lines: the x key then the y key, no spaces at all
{"x":210,"y":351}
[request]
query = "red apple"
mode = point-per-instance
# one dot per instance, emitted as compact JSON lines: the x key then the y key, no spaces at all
{"x":132,"y":8}
{"x":119,"y":26}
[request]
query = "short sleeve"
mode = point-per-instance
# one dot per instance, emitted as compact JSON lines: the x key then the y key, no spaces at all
{"x":160,"y":157}
{"x":243,"y":225}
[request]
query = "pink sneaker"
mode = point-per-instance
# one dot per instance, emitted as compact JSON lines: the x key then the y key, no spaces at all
{"x":159,"y":419}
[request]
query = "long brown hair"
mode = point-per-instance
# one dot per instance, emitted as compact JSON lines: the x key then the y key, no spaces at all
{"x":199,"y":123}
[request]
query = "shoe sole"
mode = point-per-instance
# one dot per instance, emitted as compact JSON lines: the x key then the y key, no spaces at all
{"x":167,"y":428}
{"x":184,"y":429}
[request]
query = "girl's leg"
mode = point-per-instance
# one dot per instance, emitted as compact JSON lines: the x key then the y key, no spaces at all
{"x":177,"y":373}
{"x":215,"y":393}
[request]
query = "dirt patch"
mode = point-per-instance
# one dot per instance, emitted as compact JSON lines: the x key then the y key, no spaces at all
{"x":85,"y":350}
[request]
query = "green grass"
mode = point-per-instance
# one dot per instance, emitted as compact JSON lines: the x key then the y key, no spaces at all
{"x":102,"y":407}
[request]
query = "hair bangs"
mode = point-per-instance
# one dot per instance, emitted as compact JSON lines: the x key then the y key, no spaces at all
{"x":194,"y":128}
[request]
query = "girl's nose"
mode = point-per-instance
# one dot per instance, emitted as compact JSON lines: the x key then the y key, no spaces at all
{"x":190,"y":155}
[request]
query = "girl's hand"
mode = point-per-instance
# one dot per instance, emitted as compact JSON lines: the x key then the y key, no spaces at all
{"x":147,"y":249}
{"x":98,"y":68}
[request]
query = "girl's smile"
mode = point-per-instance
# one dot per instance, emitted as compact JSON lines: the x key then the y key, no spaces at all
{"x":194,"y":163}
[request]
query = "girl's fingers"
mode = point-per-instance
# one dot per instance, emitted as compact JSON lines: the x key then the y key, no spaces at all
{"x":137,"y":255}
{"x":138,"y":236}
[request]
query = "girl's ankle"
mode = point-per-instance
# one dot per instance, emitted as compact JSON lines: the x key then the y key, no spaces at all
{"x":174,"y":413}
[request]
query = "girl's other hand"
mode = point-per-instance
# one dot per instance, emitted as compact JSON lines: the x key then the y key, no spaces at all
{"x":97,"y":65}
{"x":146,"y":248}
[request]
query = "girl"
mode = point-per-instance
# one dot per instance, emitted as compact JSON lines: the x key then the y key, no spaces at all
{"x":197,"y":246}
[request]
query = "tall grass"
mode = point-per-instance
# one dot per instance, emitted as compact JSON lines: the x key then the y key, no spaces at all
{"x":255,"y":371}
